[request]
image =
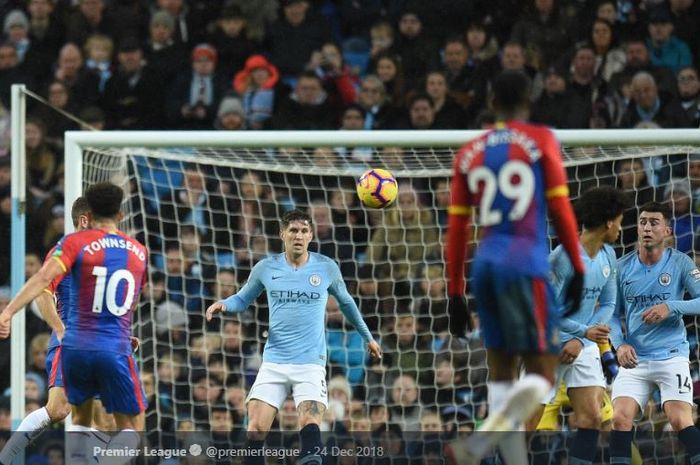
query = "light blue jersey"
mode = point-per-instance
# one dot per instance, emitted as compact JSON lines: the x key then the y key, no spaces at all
{"x":642,"y":286}
{"x":297,"y":300}
{"x":599,"y":290}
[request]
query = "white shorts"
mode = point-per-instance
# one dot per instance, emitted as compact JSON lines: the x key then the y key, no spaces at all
{"x":585,"y":371}
{"x":275,"y":380}
{"x":672,"y":377}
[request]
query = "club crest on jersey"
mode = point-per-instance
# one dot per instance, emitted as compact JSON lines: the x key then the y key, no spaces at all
{"x":665,"y":279}
{"x":314,"y":280}
{"x":606,"y":271}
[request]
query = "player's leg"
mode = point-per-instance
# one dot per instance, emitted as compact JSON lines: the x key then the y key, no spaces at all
{"x":586,"y":402}
{"x":631,"y":390}
{"x":263,"y":402}
{"x":311,"y":398}
{"x":101,"y":420}
{"x":676,"y":388}
{"x":56,"y":409}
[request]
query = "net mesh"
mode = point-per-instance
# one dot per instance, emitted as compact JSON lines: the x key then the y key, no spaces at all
{"x":208,"y":215}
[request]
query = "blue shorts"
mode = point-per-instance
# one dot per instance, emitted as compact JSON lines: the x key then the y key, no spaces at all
{"x":518,"y":314}
{"x":53,"y":367}
{"x":114,"y":376}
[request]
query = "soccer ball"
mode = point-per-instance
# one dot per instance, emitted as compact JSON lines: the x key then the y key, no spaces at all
{"x":377,"y":188}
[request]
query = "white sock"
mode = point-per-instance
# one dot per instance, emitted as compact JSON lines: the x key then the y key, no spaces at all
{"x":498,"y":394}
{"x":77,"y":443}
{"x":125,"y":440}
{"x":31,"y":427}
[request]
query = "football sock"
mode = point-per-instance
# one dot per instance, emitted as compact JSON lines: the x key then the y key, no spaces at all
{"x":621,"y":447}
{"x":690,"y":437}
{"x":583,"y":447}
{"x":254,"y":458}
{"x":310,"y":444}
{"x":31,"y":427}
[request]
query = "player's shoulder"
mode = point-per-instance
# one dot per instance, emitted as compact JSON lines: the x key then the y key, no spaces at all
{"x":678,"y":258}
{"x":321,"y":258}
{"x":556,"y":252}
{"x":627,"y":259}
{"x":609,"y":253}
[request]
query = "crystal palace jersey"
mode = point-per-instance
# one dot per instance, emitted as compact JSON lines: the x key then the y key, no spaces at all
{"x":107,"y":272}
{"x":60,"y":289}
{"x":508,"y":174}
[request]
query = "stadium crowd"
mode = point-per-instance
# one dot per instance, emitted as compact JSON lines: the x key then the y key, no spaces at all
{"x":313,"y":64}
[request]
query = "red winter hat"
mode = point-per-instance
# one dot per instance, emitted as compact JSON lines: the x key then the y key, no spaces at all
{"x":240,"y":82}
{"x":204,"y":51}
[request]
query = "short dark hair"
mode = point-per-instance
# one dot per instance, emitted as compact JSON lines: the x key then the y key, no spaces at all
{"x":294,"y":215}
{"x":104,"y":199}
{"x":599,"y":205}
{"x":511,"y":89}
{"x":420,"y":96}
{"x":80,"y":207}
{"x":657,"y":207}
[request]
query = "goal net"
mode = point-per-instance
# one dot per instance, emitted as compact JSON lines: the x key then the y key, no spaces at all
{"x":209,"y":213}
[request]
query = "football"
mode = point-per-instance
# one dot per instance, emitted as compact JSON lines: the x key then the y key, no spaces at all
{"x":377,"y":188}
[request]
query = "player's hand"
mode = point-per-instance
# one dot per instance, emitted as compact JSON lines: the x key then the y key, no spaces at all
{"x":656,"y":314}
{"x":570,"y":351}
{"x":598,"y":333}
{"x":374,"y":350}
{"x":460,"y":316}
{"x":626,"y":356}
{"x":5,"y":325}
{"x":574,"y":291}
{"x":215,"y":308}
{"x":135,"y":343}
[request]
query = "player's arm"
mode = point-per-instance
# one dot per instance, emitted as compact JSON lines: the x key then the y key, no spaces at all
{"x":606,"y":302}
{"x":31,"y":289}
{"x":691,"y":282}
{"x":562,"y":214}
{"x":617,"y":338}
{"x":46,"y":303}
{"x":561,"y":274}
{"x":240,"y":301}
{"x":458,"y":228}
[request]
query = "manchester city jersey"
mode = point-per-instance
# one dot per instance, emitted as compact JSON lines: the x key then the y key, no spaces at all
{"x":642,"y":286}
{"x":297,"y":299}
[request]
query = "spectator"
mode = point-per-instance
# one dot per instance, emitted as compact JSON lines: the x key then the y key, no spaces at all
{"x":432,"y":304}
{"x":689,"y":94}
{"x":133,"y":96}
{"x":382,"y":41}
{"x":421,"y":112}
{"x":417,"y":52}
{"x":553,"y":108}
{"x":481,"y":45}
{"x":637,"y":59}
{"x":99,"y":53}
{"x":448,"y":113}
{"x":256,"y":86}
{"x":459,"y":72}
{"x":46,"y":33}
{"x":543,"y":32}
{"x":694,"y":176}
{"x":389,"y":70}
{"x":166,"y":57}
{"x":295,"y":36}
{"x":307,"y":107}
{"x":686,"y":17}
{"x":259,"y":15}
{"x":190,"y":23}
{"x":353,"y":119}
{"x":338,"y":81}
{"x":42,"y":159}
{"x":648,"y":105}
{"x":230,"y":116}
{"x":379,"y":112}
{"x":16,"y":29}
{"x":677,"y":195}
{"x":230,"y":38}
{"x":194,"y":97}
{"x":632,"y":179}
{"x":404,"y":404}
{"x":609,"y":58}
{"x":667,"y":51}
{"x":90,"y":18}
{"x":59,"y":96}
{"x":346,"y":352}
{"x":10,"y":72}
{"x":586,"y":89}
{"x":81,"y":81}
